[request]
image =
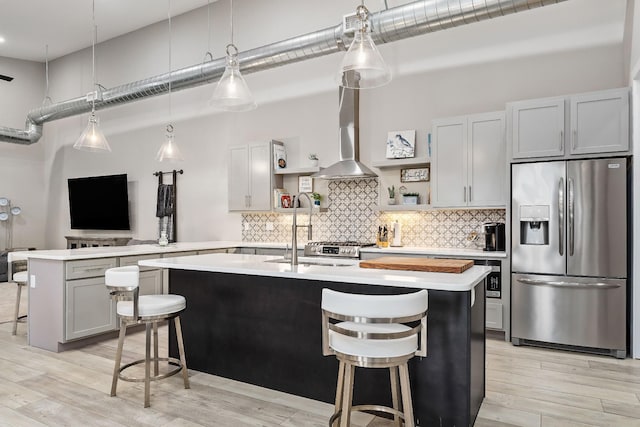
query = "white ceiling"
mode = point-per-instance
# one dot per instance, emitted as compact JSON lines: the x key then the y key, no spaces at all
{"x":65,"y":25}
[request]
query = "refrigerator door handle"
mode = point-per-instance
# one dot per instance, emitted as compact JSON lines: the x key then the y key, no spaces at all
{"x":563,"y":284}
{"x":561,"y":216}
{"x":571,"y":218}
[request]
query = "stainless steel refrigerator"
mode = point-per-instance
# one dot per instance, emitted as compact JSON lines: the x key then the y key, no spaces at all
{"x":569,"y":254}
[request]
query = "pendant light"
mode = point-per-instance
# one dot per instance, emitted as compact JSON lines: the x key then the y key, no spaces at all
{"x":92,"y":139}
{"x":232,"y":92}
{"x":362,"y":66}
{"x":169,"y":151}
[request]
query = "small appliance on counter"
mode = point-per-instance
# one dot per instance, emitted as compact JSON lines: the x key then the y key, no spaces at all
{"x":494,"y":233}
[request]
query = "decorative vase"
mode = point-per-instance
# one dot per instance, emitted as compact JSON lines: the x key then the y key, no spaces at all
{"x":391,"y":201}
{"x":313,"y":162}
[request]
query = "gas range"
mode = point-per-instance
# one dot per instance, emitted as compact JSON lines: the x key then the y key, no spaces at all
{"x":347,"y":249}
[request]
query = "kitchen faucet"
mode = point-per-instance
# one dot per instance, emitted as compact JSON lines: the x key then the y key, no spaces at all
{"x":294,"y":227}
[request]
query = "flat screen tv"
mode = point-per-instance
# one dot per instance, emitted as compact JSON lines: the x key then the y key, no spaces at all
{"x":99,"y":203}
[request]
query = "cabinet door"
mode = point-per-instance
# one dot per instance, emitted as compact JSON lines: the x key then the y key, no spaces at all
{"x":449,"y":181}
{"x":487,"y":161}
{"x":238,"y":178}
{"x":538,"y":128}
{"x":260,"y":190}
{"x":89,"y":308}
{"x":150,"y":282}
{"x":600,"y":122}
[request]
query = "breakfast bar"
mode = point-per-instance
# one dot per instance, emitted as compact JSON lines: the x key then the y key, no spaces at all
{"x":256,"y":319}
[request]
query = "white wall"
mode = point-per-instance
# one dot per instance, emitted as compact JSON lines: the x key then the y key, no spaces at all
{"x":470,"y":69}
{"x":21,"y":167}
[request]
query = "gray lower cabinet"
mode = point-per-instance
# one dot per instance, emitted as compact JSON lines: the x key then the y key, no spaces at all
{"x":90,"y":310}
{"x":151,"y":282}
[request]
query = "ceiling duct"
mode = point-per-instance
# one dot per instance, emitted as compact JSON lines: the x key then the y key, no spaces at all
{"x":409,"y":20}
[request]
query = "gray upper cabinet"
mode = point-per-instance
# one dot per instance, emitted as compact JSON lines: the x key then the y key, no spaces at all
{"x":538,"y":128}
{"x":600,"y":122}
{"x":582,"y":124}
{"x":448,"y":162}
{"x":251,"y":177}
{"x":469,"y":161}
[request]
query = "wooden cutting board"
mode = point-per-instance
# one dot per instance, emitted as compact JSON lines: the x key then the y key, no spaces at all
{"x":434,"y":265}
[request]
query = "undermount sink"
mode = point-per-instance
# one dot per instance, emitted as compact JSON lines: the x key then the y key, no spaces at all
{"x":307,"y":261}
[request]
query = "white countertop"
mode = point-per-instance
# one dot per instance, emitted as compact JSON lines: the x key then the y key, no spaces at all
{"x":424,"y":250}
{"x":118,"y":251}
{"x":350,"y":273}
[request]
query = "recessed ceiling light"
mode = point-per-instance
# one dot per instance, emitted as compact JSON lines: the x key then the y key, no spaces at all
{"x":2,"y":40}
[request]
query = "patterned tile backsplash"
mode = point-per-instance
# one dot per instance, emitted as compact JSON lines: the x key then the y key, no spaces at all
{"x":352,"y":215}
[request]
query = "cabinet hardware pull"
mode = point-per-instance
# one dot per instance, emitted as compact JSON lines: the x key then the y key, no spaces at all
{"x":464,"y":193}
{"x":561,"y":140}
{"x":469,"y":194}
{"x":575,"y":137}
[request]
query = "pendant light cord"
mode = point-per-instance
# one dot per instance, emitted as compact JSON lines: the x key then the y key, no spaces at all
{"x":208,"y":25}
{"x":231,"y":15}
{"x":46,"y":76}
{"x":170,"y":71}
{"x":93,"y":56}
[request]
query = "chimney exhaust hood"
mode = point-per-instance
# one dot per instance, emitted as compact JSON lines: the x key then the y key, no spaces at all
{"x":349,"y":166}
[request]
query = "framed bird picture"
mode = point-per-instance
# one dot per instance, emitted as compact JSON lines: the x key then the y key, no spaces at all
{"x":401,"y":144}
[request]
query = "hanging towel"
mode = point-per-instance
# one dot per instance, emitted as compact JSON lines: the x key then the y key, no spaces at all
{"x":165,"y":203}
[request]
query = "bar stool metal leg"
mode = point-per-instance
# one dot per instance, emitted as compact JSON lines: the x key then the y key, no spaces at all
{"x":347,"y":396}
{"x":339,"y":387}
{"x":116,"y":369}
{"x":147,"y":366}
{"x":183,"y":359}
{"x":155,"y":349}
{"x":395,"y":386}
{"x":406,"y":395}
{"x":17,"y":310}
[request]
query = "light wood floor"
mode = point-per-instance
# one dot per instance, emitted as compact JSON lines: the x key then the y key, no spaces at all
{"x":525,"y":387}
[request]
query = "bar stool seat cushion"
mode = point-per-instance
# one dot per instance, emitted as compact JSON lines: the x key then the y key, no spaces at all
{"x":20,"y":276}
{"x":153,"y":305}
{"x":378,"y":348}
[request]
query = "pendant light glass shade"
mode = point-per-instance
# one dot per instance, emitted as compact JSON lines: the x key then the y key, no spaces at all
{"x":362,"y":66}
{"x":92,"y":139}
{"x":232,"y":92}
{"x":169,"y":151}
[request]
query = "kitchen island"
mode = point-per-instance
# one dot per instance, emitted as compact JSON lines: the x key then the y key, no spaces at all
{"x":257,"y":320}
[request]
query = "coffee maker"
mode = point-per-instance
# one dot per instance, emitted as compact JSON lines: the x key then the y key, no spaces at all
{"x":494,"y":233}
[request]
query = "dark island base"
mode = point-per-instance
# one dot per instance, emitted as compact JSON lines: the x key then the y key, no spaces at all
{"x":267,"y":331}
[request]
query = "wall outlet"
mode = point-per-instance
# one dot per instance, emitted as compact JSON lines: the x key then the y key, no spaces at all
{"x":32,"y":280}
{"x":269,"y":226}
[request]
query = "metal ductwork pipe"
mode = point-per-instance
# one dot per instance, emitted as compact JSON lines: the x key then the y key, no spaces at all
{"x":410,"y":20}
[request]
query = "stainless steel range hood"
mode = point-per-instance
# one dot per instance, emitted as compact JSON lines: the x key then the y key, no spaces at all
{"x":349,"y":166}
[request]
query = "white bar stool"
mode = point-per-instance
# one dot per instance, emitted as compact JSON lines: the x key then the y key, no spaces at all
{"x":132,"y":309}
{"x":19,"y":276}
{"x":374,"y":331}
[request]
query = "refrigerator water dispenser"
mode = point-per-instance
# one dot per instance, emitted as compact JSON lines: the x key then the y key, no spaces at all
{"x":534,"y":224}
